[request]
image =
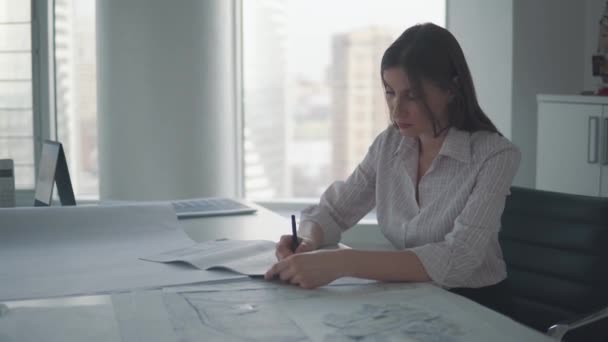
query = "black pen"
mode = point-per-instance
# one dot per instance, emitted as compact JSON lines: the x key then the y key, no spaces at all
{"x":294,"y":234}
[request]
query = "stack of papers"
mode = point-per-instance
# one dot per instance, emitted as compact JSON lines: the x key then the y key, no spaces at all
{"x":247,"y":257}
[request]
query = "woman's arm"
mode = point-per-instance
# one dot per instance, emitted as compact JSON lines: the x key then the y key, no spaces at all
{"x":400,"y":266}
{"x":344,"y":203}
{"x":448,"y":263}
{"x":451,"y":262}
{"x":314,"y":269}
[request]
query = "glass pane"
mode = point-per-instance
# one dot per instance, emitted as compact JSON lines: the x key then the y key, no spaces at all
{"x":16,"y":118}
{"x":17,"y":122}
{"x":75,"y":82}
{"x":15,"y":66}
{"x":15,"y":95}
{"x":24,"y":176}
{"x":10,"y":146}
{"x":15,"y":11}
{"x":20,"y":149}
{"x":15,"y":37}
{"x":313,"y":99}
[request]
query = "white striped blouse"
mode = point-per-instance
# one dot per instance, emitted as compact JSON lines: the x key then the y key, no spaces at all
{"x":454,"y":228}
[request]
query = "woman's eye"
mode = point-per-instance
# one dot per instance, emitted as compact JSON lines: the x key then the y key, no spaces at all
{"x":412,"y":96}
{"x":389,"y":92}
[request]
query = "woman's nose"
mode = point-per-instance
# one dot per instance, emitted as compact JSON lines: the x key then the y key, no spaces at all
{"x":399,"y":108}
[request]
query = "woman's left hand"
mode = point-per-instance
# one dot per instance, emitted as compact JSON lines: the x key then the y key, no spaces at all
{"x":309,"y":270}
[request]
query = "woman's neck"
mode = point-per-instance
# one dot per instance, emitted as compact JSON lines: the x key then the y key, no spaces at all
{"x":430,"y":145}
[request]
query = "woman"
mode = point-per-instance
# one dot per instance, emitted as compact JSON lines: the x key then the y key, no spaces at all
{"x":438,"y":177}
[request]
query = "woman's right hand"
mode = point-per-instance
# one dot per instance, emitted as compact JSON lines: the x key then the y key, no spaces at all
{"x":283,"y":249}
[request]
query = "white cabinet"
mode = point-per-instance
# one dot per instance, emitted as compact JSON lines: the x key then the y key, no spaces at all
{"x":572,"y":145}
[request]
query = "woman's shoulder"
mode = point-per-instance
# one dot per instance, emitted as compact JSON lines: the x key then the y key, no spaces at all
{"x":485,"y":144}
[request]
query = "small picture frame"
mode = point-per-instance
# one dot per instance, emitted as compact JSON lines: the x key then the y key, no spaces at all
{"x":53,"y":170}
{"x":7,"y":183}
{"x":599,"y":65}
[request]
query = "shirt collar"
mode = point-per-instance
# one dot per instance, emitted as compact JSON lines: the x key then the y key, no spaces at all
{"x":406,"y":143}
{"x":457,"y":145}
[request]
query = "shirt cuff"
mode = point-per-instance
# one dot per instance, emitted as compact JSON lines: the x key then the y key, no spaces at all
{"x":436,"y":262}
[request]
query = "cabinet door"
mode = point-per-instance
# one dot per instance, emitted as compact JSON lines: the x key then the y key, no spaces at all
{"x":568,"y":154}
{"x":604,"y":153}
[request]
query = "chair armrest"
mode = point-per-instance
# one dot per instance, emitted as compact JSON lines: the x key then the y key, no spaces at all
{"x":558,"y":331}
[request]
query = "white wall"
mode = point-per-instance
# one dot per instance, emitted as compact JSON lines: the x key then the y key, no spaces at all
{"x":593,"y":12}
{"x":517,"y":49}
{"x":547,"y":43}
{"x":166,"y":97}
{"x":484,"y":29}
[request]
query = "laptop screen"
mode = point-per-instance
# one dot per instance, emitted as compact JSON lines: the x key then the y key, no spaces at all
{"x":46,"y":174}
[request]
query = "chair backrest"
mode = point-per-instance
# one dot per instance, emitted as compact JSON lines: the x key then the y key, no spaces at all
{"x":556,"y":249}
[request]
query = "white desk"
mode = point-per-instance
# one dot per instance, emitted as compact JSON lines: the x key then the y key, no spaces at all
{"x":262,"y":310}
{"x":262,"y":225}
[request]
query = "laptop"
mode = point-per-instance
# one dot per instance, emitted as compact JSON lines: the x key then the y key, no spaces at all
{"x":53,"y":170}
{"x":209,"y":206}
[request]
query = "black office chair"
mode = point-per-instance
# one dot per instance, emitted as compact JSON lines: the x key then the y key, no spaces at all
{"x":556,"y":249}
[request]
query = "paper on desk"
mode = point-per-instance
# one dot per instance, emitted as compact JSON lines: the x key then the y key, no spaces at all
{"x":253,"y":283}
{"x":367,"y":312}
{"x":59,"y":251}
{"x":126,"y":317}
{"x":248,"y":257}
{"x":91,"y":323}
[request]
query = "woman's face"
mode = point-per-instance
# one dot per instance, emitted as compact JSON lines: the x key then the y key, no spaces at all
{"x":406,"y":107}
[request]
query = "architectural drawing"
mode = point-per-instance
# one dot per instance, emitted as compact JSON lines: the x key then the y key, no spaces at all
{"x":241,"y":315}
{"x":391,"y":322}
{"x":237,"y":311}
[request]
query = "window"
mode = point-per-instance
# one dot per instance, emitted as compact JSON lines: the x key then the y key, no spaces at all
{"x":309,"y":68}
{"x":75,"y":92}
{"x":16,"y":102}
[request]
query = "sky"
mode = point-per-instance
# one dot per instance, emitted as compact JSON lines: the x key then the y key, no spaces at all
{"x":311,"y":23}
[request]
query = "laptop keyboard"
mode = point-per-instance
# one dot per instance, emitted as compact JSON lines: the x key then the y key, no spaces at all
{"x":209,"y":206}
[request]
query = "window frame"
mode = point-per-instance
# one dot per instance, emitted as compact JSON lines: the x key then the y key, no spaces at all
{"x":42,"y":86}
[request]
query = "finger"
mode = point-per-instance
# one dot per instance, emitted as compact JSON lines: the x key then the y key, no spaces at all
{"x":270,"y":274}
{"x":282,"y":252}
{"x":304,"y":285}
{"x":275,"y":270}
{"x":287,"y":274}
{"x":295,"y":280}
{"x":285,"y":238}
{"x":307,"y":286}
{"x":305,"y":246}
{"x":283,"y":249}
